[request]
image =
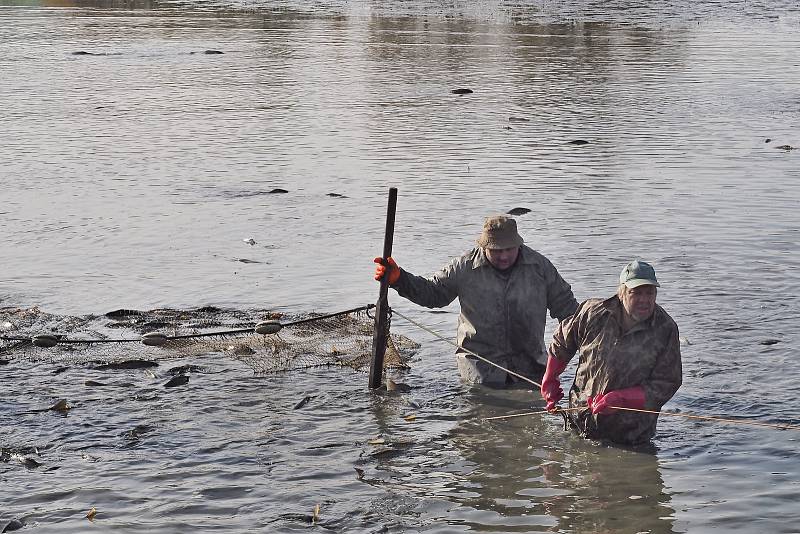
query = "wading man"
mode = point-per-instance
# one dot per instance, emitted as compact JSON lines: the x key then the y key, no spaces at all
{"x":630,"y":358}
{"x":505,"y":289}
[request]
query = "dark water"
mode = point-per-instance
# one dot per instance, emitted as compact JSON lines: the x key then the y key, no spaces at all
{"x":132,"y":174}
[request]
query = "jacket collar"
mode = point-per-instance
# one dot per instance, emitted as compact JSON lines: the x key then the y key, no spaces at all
{"x":480,"y":259}
{"x":614,"y":306}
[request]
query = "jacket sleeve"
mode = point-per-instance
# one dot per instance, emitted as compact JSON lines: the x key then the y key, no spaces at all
{"x":435,"y":292}
{"x":666,"y":376}
{"x":560,"y":299}
{"x":567,"y":336}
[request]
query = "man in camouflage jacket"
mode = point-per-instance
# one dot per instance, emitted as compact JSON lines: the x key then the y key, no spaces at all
{"x":505,"y":289}
{"x":630,"y":359}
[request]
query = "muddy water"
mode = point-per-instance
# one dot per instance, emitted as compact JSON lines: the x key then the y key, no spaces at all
{"x":135,"y":165}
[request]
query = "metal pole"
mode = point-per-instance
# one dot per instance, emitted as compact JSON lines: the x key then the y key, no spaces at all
{"x":379,"y":337}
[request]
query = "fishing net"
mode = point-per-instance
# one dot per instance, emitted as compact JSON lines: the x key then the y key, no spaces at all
{"x":266,"y":341}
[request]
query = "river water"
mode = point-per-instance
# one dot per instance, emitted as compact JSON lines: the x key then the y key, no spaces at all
{"x":135,"y":165}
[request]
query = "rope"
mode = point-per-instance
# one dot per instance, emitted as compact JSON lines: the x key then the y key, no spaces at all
{"x":190,"y":336}
{"x":713,"y":418}
{"x":556,"y":411}
{"x":456,"y":345}
{"x":559,"y":410}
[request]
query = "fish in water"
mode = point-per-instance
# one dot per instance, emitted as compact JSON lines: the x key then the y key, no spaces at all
{"x":14,"y":524}
{"x":29,"y":463}
{"x":182,"y":369}
{"x":303,"y":402}
{"x":391,"y":385}
{"x":579,"y":142}
{"x":60,"y":406}
{"x":84,"y":53}
{"x":278,"y":190}
{"x":128,"y":364}
{"x":518,"y":119}
{"x":93,"y":383}
{"x":177,"y":381}
{"x":518,"y":211}
{"x":461,"y":91}
{"x":336,"y":195}
{"x":785,"y":147}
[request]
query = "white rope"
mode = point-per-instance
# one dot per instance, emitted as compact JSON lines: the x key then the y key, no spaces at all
{"x":423,"y":327}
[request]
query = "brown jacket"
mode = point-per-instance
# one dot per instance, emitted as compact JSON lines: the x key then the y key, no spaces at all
{"x":503,"y":314}
{"x":648,"y":355}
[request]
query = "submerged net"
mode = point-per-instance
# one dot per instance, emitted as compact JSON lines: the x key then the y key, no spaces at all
{"x":266,"y":341}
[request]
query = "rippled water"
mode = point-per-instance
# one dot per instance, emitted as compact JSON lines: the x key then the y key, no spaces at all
{"x":133,"y":173}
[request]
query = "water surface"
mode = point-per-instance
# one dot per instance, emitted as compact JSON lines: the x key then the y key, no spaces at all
{"x":134,"y":165}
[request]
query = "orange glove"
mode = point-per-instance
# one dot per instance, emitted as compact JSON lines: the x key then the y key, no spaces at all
{"x":391,"y":271}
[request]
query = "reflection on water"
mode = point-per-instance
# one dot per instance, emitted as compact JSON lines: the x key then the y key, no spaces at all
{"x":138,"y":176}
{"x":539,"y":478}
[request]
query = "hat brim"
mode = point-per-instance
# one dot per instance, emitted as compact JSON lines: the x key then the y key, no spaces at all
{"x":636,"y":282}
{"x":512,"y":242}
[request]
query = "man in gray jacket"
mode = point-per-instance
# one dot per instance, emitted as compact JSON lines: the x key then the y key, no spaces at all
{"x":505,"y":289}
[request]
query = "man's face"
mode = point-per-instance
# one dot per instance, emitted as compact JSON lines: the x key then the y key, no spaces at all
{"x":639,"y":302}
{"x":502,"y":258}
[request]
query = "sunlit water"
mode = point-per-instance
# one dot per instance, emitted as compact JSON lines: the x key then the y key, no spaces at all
{"x":132,"y":174}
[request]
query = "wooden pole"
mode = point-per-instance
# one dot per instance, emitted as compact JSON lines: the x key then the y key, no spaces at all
{"x":379,"y":336}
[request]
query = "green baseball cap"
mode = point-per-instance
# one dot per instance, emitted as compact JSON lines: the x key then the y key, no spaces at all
{"x":638,"y":273}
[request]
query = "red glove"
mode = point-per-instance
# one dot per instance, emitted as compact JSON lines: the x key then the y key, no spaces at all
{"x":603,"y":403}
{"x":551,"y":387}
{"x":390,"y":270}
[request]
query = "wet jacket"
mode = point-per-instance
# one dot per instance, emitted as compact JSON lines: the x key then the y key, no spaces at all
{"x":503,"y":314}
{"x":648,"y":354}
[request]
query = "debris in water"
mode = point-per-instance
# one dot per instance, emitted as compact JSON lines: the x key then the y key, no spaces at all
{"x":315,"y":516}
{"x":90,"y":515}
{"x":518,"y":119}
{"x":250,"y":241}
{"x":786,"y":147}
{"x":410,"y":418}
{"x":684,"y":341}
{"x":359,"y":473}
{"x":93,"y":383}
{"x":461,"y":91}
